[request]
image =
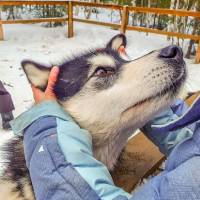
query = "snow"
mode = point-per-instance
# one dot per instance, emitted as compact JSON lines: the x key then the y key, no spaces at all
{"x":51,"y":45}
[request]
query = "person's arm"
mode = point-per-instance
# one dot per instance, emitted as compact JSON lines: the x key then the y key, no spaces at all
{"x":6,"y":103}
{"x":53,"y":177}
{"x":181,"y":177}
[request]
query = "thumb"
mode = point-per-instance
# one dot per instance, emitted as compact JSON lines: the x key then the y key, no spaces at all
{"x":52,"y":79}
{"x":37,"y":94}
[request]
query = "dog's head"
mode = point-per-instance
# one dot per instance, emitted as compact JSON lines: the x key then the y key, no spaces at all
{"x":108,"y":94}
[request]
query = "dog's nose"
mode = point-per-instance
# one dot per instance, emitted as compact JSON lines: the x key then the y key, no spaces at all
{"x":173,"y":52}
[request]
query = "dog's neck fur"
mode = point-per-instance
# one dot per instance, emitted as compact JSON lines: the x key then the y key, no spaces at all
{"x":108,"y":142}
{"x":107,"y":149}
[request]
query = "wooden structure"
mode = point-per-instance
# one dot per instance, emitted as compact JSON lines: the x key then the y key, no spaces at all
{"x":1,"y":31}
{"x":124,"y":21}
{"x":139,"y":159}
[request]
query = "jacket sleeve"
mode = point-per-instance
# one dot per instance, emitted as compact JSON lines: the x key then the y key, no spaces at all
{"x":167,"y":141}
{"x":59,"y":157}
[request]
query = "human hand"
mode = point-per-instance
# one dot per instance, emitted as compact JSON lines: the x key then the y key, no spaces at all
{"x":48,"y":94}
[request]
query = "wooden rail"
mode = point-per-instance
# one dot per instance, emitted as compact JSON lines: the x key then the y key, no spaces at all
{"x":20,"y":3}
{"x":182,"y":13}
{"x":125,"y":10}
{"x":97,"y":23}
{"x":28,"y":21}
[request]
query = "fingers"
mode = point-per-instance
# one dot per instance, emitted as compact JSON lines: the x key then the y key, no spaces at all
{"x":35,"y":90}
{"x":37,"y":93}
{"x":122,"y":50}
{"x":52,"y":79}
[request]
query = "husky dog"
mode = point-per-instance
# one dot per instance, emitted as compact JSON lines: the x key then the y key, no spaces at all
{"x":106,"y":94}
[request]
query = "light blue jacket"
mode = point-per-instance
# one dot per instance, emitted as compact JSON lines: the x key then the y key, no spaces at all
{"x":59,"y":156}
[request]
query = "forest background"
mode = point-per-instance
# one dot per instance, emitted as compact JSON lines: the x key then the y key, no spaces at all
{"x":186,"y":25}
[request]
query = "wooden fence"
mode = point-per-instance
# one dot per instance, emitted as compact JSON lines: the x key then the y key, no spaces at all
{"x":125,"y":10}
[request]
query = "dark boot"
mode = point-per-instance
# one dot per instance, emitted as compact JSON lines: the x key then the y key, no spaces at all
{"x":6,"y":118}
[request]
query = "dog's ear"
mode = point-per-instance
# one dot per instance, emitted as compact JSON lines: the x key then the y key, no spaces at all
{"x":117,"y":41}
{"x":36,"y":73}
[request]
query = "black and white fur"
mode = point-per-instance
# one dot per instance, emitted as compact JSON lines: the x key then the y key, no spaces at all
{"x":106,"y":94}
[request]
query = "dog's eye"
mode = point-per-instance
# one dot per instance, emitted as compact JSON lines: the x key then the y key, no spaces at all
{"x":102,"y":72}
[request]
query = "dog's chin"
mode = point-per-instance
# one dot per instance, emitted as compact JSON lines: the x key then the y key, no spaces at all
{"x":171,"y":91}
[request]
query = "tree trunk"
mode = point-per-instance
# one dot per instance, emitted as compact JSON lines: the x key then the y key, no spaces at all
{"x":11,"y":13}
{"x":148,"y":16}
{"x":189,"y":50}
{"x":195,"y":30}
{"x":133,"y":15}
{"x":170,"y":27}
{"x":155,"y":15}
{"x":76,"y":10}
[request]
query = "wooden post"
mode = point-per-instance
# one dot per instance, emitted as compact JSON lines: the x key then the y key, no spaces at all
{"x":70,"y":20}
{"x":124,"y":20}
{"x":1,"y":27}
{"x":1,"y":30}
{"x":197,"y":60}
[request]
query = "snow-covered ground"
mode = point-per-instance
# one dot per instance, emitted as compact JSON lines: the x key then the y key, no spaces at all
{"x":51,"y":45}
